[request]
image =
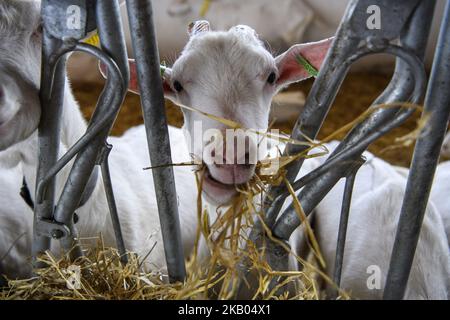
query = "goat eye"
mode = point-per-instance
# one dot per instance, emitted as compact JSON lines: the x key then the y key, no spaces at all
{"x":272,"y":77}
{"x":177,"y":86}
{"x":38,"y":31}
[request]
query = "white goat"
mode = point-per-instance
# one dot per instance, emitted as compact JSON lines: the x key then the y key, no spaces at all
{"x":229,"y":74}
{"x":374,"y":214}
{"x":440,"y":194}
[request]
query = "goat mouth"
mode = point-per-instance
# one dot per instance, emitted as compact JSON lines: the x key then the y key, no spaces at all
{"x":210,"y":180}
{"x":217,"y":192}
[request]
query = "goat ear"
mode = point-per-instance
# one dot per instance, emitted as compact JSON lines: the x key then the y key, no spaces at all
{"x":133,"y":85}
{"x":197,"y":27}
{"x":295,"y":64}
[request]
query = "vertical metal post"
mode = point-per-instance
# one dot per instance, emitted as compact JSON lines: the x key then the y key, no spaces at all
{"x":425,"y":159}
{"x":112,"y":37}
{"x":51,"y":99}
{"x":343,"y":223}
{"x":140,"y":15}
{"x":106,"y":176}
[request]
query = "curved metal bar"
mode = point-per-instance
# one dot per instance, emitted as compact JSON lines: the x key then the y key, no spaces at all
{"x":114,"y":81}
{"x":109,"y":103}
{"x":289,"y":220}
{"x":343,"y":223}
{"x":425,"y":160}
{"x":337,"y":160}
{"x":414,"y":35}
{"x":339,"y":156}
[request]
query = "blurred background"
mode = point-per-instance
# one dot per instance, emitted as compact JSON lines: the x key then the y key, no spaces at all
{"x":279,"y":24}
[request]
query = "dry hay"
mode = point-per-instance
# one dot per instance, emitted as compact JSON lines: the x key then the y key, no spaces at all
{"x":103,"y":276}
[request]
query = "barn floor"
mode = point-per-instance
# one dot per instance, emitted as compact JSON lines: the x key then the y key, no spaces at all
{"x":356,"y":94}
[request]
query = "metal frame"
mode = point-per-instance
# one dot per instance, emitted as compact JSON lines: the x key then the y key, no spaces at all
{"x":410,"y":27}
{"x":153,"y":107}
{"x":56,"y":221}
{"x":405,"y":36}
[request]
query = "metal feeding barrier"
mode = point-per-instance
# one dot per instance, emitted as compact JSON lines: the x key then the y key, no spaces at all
{"x":403,"y":33}
{"x":56,"y":219}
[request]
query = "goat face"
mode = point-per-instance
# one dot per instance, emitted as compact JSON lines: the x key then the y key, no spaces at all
{"x":232,"y":76}
{"x":20,"y":57}
{"x":229,"y":75}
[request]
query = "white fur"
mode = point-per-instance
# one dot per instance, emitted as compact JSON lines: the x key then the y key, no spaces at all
{"x":374,"y":214}
{"x":225,"y":74}
{"x":440,"y":194}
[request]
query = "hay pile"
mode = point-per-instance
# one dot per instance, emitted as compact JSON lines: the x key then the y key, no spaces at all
{"x":102,"y":275}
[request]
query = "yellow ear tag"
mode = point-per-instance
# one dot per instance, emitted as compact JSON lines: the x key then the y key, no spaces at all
{"x":93,"y":40}
{"x":205,"y":7}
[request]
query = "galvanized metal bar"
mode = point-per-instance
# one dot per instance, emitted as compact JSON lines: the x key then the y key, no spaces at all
{"x":112,"y":37}
{"x":106,"y":176}
{"x":343,"y":223}
{"x":348,"y":36}
{"x":140,"y":16}
{"x":414,"y":37}
{"x":96,"y":125}
{"x":405,"y":80}
{"x":412,"y":28}
{"x":51,"y":99}
{"x":289,"y":220}
{"x":109,"y":100}
{"x":350,"y":33}
{"x":113,"y":42}
{"x":425,"y":159}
